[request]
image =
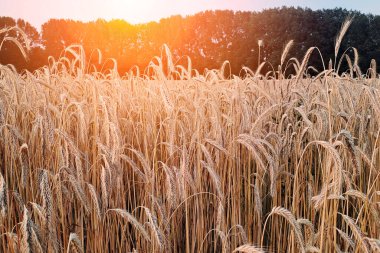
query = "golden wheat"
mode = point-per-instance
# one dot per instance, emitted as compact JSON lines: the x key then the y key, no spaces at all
{"x":171,"y":160}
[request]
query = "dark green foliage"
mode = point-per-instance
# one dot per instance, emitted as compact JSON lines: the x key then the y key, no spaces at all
{"x":209,"y":38}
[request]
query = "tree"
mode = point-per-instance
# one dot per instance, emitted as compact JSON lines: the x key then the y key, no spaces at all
{"x":208,"y":38}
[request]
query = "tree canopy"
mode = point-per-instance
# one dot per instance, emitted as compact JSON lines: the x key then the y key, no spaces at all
{"x":208,"y":38}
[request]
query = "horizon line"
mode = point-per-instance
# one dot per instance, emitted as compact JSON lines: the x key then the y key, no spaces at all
{"x":108,"y":19}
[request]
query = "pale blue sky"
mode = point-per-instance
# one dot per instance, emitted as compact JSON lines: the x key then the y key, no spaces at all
{"x":137,"y":11}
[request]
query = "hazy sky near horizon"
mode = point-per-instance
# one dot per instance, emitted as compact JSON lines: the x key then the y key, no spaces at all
{"x":139,"y":11}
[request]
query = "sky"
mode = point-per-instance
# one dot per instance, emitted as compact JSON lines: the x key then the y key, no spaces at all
{"x":139,"y":11}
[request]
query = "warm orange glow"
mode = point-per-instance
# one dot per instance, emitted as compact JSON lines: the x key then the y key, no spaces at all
{"x":39,"y":11}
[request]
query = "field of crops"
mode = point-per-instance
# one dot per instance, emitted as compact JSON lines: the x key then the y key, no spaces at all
{"x":177,"y":161}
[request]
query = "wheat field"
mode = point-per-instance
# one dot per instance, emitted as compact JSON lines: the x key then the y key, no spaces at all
{"x":172,"y":160}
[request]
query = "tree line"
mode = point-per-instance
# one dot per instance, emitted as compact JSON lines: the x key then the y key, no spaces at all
{"x":208,"y":38}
